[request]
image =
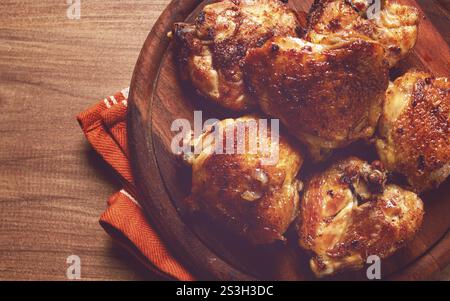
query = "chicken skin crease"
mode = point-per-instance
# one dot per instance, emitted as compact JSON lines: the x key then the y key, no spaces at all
{"x":253,"y":200}
{"x":212,"y":49}
{"x":414,"y":136}
{"x":348,"y":213}
{"x":326,"y":95}
{"x":396,"y":26}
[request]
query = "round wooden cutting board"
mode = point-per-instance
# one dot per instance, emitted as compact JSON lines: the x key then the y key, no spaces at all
{"x":157,"y":98}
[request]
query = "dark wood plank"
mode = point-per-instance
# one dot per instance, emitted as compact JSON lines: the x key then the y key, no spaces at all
{"x":445,"y":4}
{"x":438,"y":12}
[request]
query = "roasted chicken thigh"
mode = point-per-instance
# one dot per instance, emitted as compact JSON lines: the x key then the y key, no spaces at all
{"x":348,"y":213}
{"x":395,"y":27}
{"x":214,"y":47}
{"x":254,"y":197}
{"x":414,"y":134}
{"x":326,"y":95}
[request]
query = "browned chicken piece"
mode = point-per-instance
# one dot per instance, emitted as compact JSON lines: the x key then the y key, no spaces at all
{"x":213,"y":48}
{"x":253,"y":197}
{"x":326,"y":95}
{"x":395,"y":27}
{"x":414,"y":136}
{"x":347,"y":214}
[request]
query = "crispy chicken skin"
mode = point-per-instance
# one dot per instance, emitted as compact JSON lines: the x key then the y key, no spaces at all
{"x":347,"y":213}
{"x":414,"y":136}
{"x":252,"y":199}
{"x":396,"y":28}
{"x":326,"y":95}
{"x":213,"y":48}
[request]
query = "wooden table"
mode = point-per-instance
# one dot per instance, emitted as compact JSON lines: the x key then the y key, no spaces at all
{"x":53,"y":186}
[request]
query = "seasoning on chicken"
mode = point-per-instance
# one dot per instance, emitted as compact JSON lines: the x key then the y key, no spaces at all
{"x":214,"y":47}
{"x":395,"y":26}
{"x":252,"y":196}
{"x":414,"y":134}
{"x":326,"y":95}
{"x":348,"y":213}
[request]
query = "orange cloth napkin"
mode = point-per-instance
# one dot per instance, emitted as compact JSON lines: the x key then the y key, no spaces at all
{"x":104,"y":125}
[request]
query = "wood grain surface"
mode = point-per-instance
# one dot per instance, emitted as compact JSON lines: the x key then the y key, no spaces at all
{"x":53,"y":186}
